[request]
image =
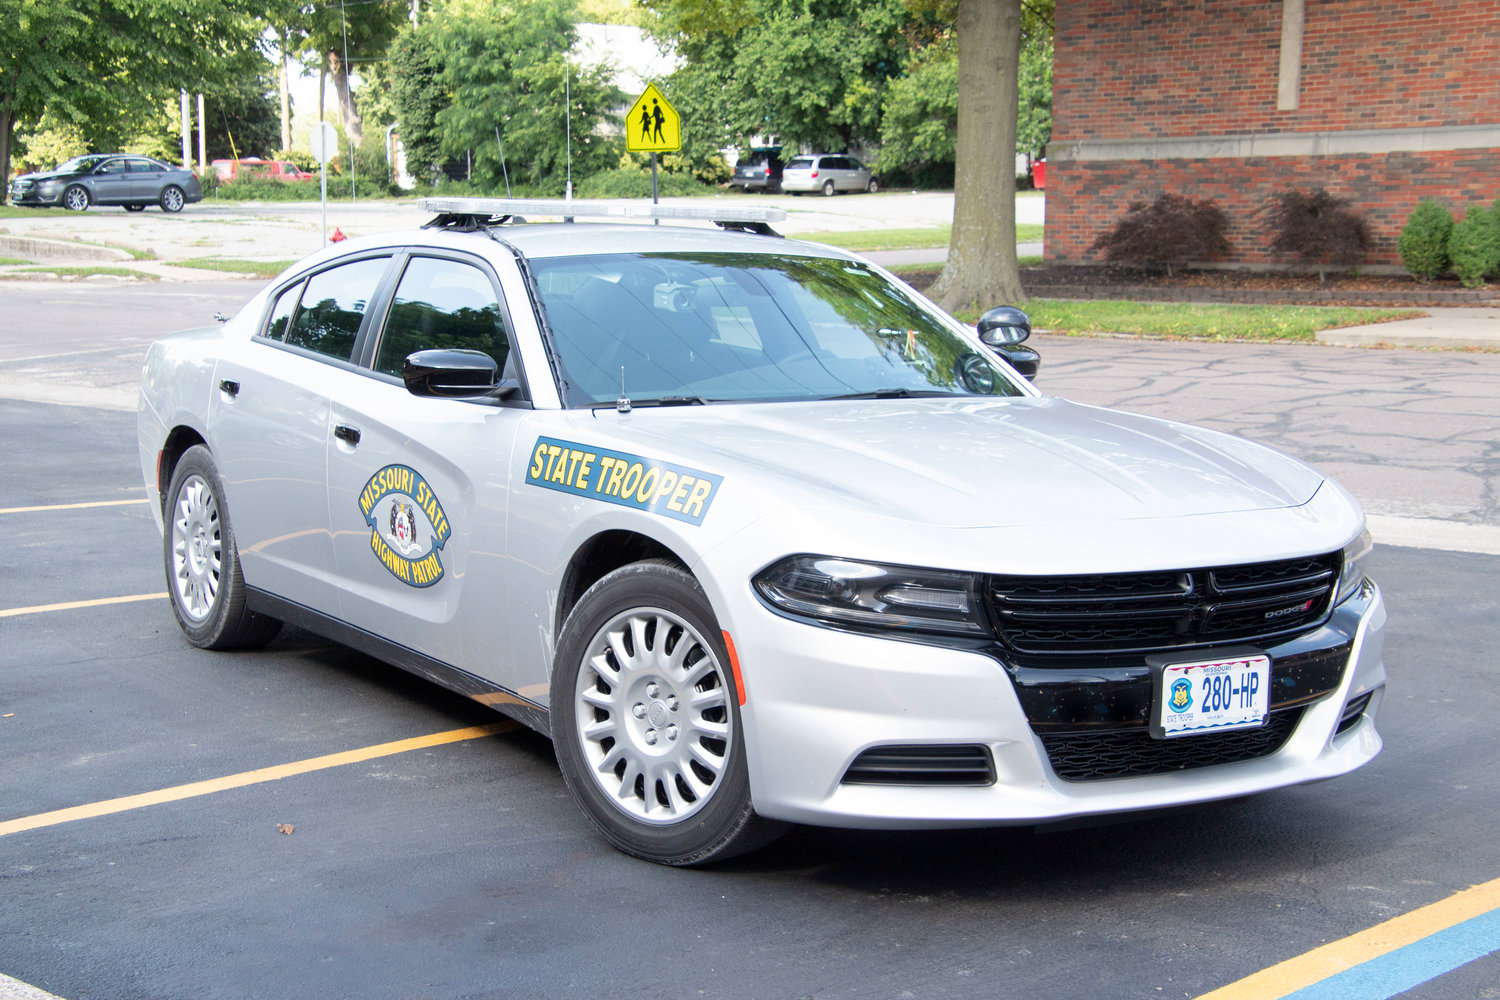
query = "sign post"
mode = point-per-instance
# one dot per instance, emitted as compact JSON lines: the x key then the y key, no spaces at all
{"x":653,"y":126}
{"x":325,"y":146}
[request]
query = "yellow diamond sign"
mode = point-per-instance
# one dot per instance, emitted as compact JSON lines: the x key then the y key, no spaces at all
{"x":652,"y":125}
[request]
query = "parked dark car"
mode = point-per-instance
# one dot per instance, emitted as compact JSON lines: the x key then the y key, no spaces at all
{"x":760,"y":170}
{"x":109,"y":179}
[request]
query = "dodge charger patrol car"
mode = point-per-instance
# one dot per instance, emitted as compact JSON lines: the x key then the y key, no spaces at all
{"x":754,"y":532}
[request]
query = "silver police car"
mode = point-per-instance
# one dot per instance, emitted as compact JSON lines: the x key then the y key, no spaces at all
{"x":755,"y":533}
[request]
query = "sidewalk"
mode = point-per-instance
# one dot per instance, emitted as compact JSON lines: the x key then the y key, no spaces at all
{"x":1441,"y":327}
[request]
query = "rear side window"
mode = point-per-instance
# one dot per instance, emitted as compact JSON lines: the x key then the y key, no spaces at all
{"x":800,"y":163}
{"x":333,"y":305}
{"x":442,"y":304}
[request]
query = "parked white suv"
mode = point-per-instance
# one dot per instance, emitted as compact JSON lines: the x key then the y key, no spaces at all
{"x":827,"y":173}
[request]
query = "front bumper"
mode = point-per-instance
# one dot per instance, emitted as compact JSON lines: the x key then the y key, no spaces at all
{"x":818,"y":698}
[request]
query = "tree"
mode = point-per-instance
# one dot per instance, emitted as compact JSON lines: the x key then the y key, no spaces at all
{"x":418,"y":98}
{"x":505,"y":68}
{"x":92,"y":64}
{"x":982,"y":267}
{"x":812,"y":72}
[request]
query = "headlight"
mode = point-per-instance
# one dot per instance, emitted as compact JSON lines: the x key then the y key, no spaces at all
{"x":833,"y":591}
{"x":1353,"y":574}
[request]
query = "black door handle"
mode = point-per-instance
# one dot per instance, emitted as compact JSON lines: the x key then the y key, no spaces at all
{"x":230,"y":387}
{"x":346,"y":433}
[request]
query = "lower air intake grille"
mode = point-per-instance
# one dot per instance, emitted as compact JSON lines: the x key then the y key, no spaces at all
{"x":922,"y":765}
{"x":1131,"y":753}
{"x":1353,"y":712}
{"x":1126,"y":612}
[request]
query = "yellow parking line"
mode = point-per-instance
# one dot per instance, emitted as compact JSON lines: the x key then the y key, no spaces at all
{"x":1331,"y":959}
{"x":244,"y":778}
{"x":98,"y":602}
{"x":70,"y":506}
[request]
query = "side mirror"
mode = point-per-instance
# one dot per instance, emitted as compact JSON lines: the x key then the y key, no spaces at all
{"x":1004,"y":330}
{"x":450,"y":374}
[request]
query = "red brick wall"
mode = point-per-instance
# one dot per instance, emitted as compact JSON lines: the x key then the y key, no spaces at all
{"x":1084,"y":199}
{"x":1161,"y":69}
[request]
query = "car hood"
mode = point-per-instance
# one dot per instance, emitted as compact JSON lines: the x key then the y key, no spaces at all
{"x":972,"y":463}
{"x":47,"y":175}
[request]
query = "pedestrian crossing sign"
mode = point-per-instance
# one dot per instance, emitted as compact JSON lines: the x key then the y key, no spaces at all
{"x":652,"y":125}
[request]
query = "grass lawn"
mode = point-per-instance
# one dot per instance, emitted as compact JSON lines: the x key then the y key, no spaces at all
{"x":86,"y":272}
{"x":861,"y":240}
{"x":1190,"y":321}
{"x":259,"y":268}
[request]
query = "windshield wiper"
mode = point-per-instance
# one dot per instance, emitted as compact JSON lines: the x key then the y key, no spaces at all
{"x":892,"y":393}
{"x":667,"y":401}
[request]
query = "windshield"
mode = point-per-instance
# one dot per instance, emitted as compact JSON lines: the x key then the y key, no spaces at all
{"x":748,"y":327}
{"x":79,"y":164}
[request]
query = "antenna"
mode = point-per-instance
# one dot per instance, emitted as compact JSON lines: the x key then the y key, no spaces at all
{"x":623,"y":403}
{"x":568,"y":121}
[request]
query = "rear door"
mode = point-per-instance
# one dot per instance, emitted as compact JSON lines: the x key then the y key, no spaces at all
{"x":145,"y":179}
{"x":270,"y":427}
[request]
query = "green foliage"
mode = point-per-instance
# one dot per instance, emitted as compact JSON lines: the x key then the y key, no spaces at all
{"x":1317,"y":227}
{"x":105,"y":66}
{"x":812,"y":72}
{"x":1423,"y":244}
{"x":1474,"y":246}
{"x":1171,"y":230}
{"x":417,"y":97}
{"x":505,"y":69}
{"x":635,"y":182}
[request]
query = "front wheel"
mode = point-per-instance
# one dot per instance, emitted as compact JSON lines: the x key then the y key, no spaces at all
{"x":202,"y":564}
{"x":646,"y":721}
{"x":873,"y":186}
{"x":76,"y":198}
{"x":172,"y":199}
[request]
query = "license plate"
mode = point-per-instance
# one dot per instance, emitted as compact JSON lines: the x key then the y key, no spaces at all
{"x":1211,"y":696}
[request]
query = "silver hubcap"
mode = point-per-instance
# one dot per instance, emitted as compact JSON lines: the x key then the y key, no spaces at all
{"x":196,"y":548}
{"x":77,"y":200}
{"x":173,"y":201}
{"x":653,"y":716}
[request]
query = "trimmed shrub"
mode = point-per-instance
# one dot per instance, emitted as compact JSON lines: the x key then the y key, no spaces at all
{"x":1424,"y":240}
{"x":1171,"y":230}
{"x":1318,"y":227}
{"x":1474,"y":246}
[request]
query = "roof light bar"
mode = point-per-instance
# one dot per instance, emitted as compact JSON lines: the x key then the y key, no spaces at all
{"x":582,"y":209}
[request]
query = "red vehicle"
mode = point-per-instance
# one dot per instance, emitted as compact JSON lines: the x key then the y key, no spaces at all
{"x":253,"y":167}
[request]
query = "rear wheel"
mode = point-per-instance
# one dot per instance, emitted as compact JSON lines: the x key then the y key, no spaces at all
{"x":202,"y":563}
{"x":172,"y":199}
{"x":646,"y":722}
{"x":873,"y":186}
{"x":828,"y":190}
{"x":76,"y":198}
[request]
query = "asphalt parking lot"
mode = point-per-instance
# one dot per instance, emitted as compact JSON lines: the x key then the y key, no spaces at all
{"x":304,"y":821}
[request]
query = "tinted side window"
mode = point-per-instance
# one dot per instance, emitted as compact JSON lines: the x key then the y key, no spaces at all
{"x":442,"y":304}
{"x":144,"y":167}
{"x":333,"y":306}
{"x":112,"y":167}
{"x":281,"y":313}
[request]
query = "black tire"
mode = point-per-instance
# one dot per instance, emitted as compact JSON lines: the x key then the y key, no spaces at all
{"x":172,"y":199}
{"x":202,"y":563}
{"x":873,"y":186}
{"x":828,"y":189}
{"x":659,"y":800}
{"x":76,"y":198}
{"x":135,"y":208}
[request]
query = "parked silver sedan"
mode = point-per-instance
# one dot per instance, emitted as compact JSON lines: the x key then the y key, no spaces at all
{"x":827,"y":173}
{"x":754,"y":532}
{"x":133,"y":182}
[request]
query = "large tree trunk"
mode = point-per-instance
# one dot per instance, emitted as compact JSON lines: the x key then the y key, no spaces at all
{"x":982,"y":268}
{"x":353,"y":126}
{"x":7,"y":127}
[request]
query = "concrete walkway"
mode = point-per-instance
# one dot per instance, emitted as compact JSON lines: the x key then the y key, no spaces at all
{"x":1473,"y":328}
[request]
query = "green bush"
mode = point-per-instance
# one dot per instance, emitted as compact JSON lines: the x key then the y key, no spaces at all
{"x":635,"y":182}
{"x":1474,"y":246}
{"x":1424,"y":240}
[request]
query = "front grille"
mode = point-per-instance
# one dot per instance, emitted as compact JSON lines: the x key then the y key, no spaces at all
{"x":922,"y":765}
{"x":1131,"y":753}
{"x":1353,"y":712}
{"x":1139,"y":612}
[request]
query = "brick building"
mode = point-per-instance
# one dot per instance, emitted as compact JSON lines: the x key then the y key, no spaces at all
{"x":1382,"y":102}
